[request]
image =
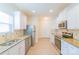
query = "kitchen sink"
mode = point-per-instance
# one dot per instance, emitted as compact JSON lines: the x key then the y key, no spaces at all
{"x":8,"y":43}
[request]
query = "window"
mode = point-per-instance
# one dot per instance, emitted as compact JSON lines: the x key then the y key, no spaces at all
{"x":6,"y":22}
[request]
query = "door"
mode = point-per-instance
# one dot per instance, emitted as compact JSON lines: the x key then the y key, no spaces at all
{"x":44,"y":28}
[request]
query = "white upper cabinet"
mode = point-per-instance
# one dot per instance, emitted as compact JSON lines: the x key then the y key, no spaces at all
{"x":23,"y":21}
{"x":72,"y":19}
{"x":71,"y":14}
{"x":20,"y":20}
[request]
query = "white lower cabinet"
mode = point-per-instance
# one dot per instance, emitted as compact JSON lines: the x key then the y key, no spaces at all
{"x":64,"y":48}
{"x":20,"y":48}
{"x":17,"y":49}
{"x":14,"y":50}
{"x":68,"y":49}
{"x":5,"y":53}
{"x":73,"y":50}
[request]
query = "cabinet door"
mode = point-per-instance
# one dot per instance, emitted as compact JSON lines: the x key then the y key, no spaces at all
{"x":77,"y":51}
{"x":22,"y":48}
{"x":68,"y":49}
{"x":64,"y":48}
{"x":14,"y":50}
{"x":73,"y":50}
{"x":5,"y":53}
{"x":17,"y":20}
{"x":20,"y":20}
{"x":23,"y":21}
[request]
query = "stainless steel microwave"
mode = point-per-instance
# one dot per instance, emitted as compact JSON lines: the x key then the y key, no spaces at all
{"x":63,"y":25}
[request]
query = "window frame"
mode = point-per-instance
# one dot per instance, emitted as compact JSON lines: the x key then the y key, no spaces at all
{"x":10,"y":24}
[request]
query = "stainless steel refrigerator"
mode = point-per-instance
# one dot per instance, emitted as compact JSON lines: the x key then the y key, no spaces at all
{"x":31,"y":30}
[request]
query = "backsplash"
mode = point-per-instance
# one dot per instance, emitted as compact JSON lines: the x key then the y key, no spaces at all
{"x":11,"y":36}
{"x":75,"y":32}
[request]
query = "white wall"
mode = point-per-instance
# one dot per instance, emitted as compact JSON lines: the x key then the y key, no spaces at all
{"x":71,"y":14}
{"x":46,"y":27}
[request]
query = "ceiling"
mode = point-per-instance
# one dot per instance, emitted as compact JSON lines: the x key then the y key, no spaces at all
{"x":42,"y":9}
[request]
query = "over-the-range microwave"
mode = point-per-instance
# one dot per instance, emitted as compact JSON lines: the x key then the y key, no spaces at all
{"x":63,"y":25}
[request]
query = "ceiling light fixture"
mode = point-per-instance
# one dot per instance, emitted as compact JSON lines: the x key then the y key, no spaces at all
{"x":50,"y":10}
{"x":33,"y":11}
{"x":46,"y":18}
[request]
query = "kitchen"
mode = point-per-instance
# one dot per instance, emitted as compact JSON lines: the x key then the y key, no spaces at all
{"x":24,"y":24}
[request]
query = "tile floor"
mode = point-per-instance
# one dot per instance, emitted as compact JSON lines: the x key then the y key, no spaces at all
{"x":43,"y":47}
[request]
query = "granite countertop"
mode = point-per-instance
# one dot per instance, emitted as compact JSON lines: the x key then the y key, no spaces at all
{"x":5,"y":48}
{"x":72,"y":41}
